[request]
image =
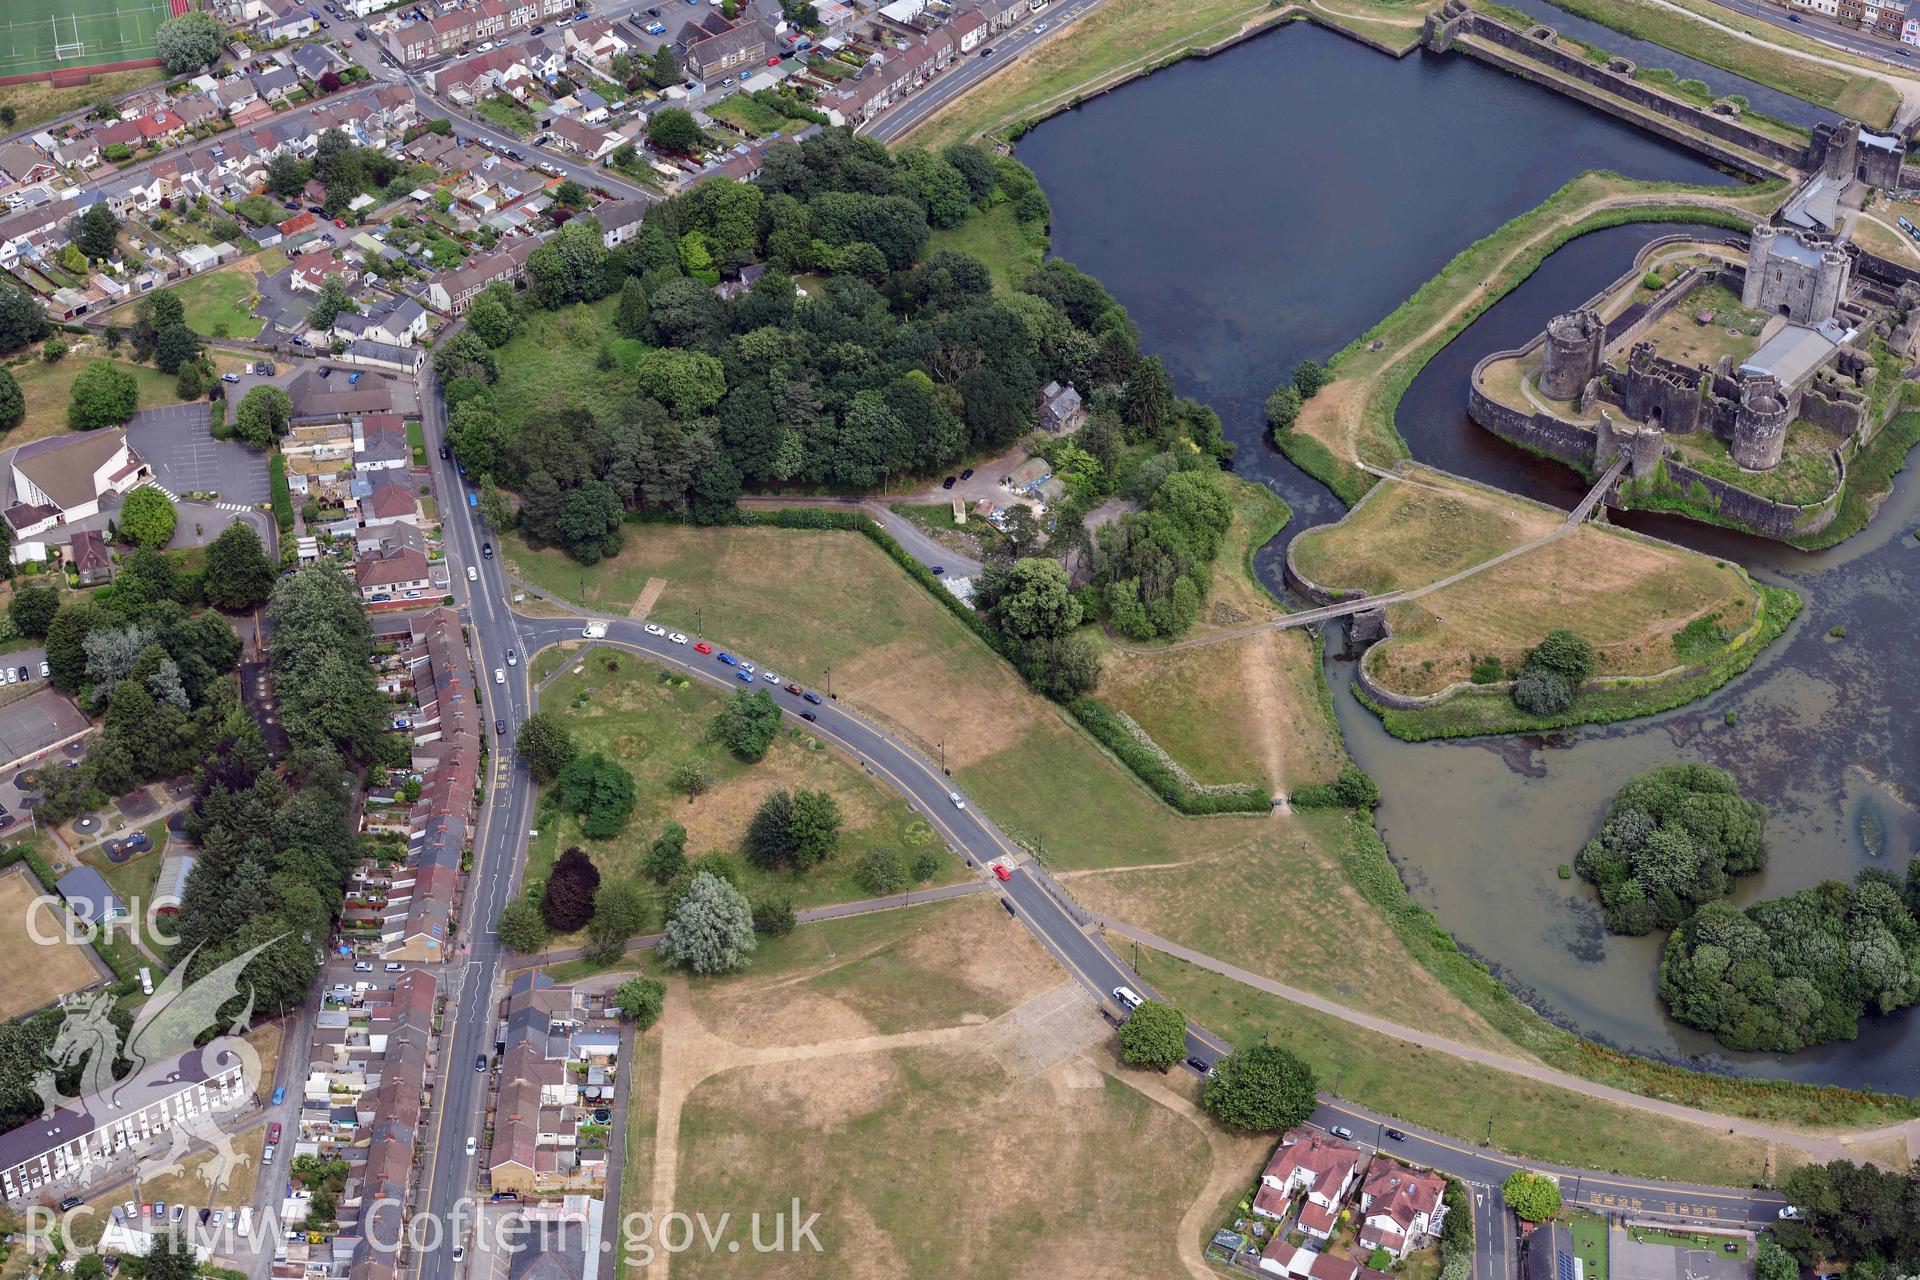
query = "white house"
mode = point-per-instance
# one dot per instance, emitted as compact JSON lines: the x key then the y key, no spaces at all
{"x":1399,"y":1206}
{"x":1318,"y":1165}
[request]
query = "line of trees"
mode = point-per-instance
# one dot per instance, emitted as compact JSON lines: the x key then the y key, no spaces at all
{"x":1672,"y":840}
{"x":1800,"y":970}
{"x":1867,"y":1216}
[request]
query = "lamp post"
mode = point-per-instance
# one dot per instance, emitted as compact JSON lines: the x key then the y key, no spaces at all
{"x":830,"y":692}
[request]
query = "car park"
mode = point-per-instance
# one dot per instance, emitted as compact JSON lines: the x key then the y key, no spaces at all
{"x":703,"y":647}
{"x":677,"y":638}
{"x":814,"y":698}
{"x":655,"y":629}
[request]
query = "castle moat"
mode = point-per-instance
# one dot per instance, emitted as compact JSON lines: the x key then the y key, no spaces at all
{"x":1378,"y":173}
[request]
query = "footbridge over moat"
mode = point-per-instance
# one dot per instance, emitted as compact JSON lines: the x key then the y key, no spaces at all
{"x":1363,"y":604}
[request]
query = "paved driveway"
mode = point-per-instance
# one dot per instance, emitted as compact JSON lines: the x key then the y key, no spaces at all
{"x":1630,"y":1260}
{"x":177,"y":442}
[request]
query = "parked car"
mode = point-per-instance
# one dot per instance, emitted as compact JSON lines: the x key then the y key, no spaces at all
{"x":774,"y":61}
{"x":229,"y":377}
{"x":1396,"y":1135}
{"x":480,"y":1062}
{"x":1789,"y":1213}
{"x":70,"y":1202}
{"x":812,"y":697}
{"x":677,"y":638}
{"x":771,"y":677}
{"x":273,"y":1130}
{"x":500,"y":726}
{"x":1341,"y":1131}
{"x":808,"y":716}
{"x":279,"y":1095}
{"x":727,"y":659}
{"x":655,"y":629}
{"x":28,"y":675}
{"x":266,"y":1155}
{"x":967,"y":474}
{"x":794,"y":689}
{"x":938,"y":571}
{"x":45,"y":670}
{"x":1128,"y":998}
{"x":1201,"y":1066}
{"x":744,"y":674}
{"x":959,"y":801}
{"x":949,"y":482}
{"x":471,"y":1145}
{"x":703,"y":647}
{"x":1002,"y":872}
{"x":363,"y":966}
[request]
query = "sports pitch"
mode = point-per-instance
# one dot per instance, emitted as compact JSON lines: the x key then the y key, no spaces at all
{"x":49,"y":35}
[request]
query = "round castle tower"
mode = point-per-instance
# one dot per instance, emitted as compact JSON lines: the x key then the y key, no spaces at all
{"x":1830,"y":286}
{"x":1760,"y":424}
{"x":1571,"y":356}
{"x":1759,"y":246}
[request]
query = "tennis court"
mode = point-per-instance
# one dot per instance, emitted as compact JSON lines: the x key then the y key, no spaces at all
{"x":52,"y":35}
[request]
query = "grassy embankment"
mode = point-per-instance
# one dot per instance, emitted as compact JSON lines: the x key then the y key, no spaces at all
{"x":38,"y":100}
{"x":1299,"y":899}
{"x":1862,"y":94}
{"x":1126,"y":38}
{"x":651,"y":721}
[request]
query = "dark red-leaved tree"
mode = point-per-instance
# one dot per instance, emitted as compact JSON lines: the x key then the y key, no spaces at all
{"x":568,"y":902}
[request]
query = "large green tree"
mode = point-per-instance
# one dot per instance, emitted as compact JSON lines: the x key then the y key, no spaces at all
{"x":710,"y":929}
{"x":104,"y":395}
{"x":95,"y":232}
{"x":1533,"y":1196}
{"x":147,"y":517}
{"x":1154,"y":1035}
{"x":600,"y":790}
{"x":13,"y":405}
{"x":189,"y":42}
{"x":521,"y":927}
{"x":641,"y":1000}
{"x":546,"y":744}
{"x":619,"y":912}
{"x":747,"y":723}
{"x":32,"y":610}
{"x":263,"y":415}
{"x":239,"y":575}
{"x":673,"y":129}
{"x":22,"y":319}
{"x":1262,"y":1087}
{"x":567,"y":902}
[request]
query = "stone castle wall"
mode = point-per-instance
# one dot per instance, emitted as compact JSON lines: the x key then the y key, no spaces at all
{"x":1656,"y":111}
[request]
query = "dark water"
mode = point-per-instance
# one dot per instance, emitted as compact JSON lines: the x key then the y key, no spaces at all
{"x":1238,"y":259}
{"x":1647,"y":55}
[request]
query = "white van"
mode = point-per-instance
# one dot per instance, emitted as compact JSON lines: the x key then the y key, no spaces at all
{"x":1127,"y":996}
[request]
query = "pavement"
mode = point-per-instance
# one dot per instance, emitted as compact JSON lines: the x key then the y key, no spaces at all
{"x":971,"y":69}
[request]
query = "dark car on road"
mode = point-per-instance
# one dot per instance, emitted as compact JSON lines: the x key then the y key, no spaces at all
{"x":480,"y":1062}
{"x":967,"y":474}
{"x":1200,"y":1065}
{"x":949,"y":482}
{"x":1396,"y":1135}
{"x":486,"y":550}
{"x":814,"y":698}
{"x":499,"y":726}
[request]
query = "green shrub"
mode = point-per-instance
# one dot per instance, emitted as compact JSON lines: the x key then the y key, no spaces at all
{"x":282,"y":494}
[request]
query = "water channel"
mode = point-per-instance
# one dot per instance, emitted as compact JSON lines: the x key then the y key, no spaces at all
{"x":1242,"y":251}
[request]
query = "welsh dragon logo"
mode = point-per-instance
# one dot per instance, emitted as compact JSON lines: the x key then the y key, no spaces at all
{"x":164,"y":1030}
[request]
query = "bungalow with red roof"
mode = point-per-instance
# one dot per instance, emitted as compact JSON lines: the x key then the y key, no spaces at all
{"x":1399,"y":1206}
{"x":1316,"y":1165}
{"x":297,"y":223}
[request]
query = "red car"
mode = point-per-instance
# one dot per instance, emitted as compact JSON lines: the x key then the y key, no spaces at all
{"x":703,"y":647}
{"x":340,"y":222}
{"x":273,"y":1132}
{"x":774,"y":61}
{"x":1002,"y":872}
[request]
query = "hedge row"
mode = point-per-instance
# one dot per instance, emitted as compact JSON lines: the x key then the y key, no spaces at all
{"x":1097,"y":719}
{"x":282,"y":495}
{"x":41,"y":868}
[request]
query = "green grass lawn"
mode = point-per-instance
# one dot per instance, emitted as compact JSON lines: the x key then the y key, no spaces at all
{"x":650,"y":725}
{"x":417,"y":438}
{"x":508,"y":114}
{"x":47,"y":388}
{"x":1528,"y":1119}
{"x":998,"y":239}
{"x":220,"y":303}
{"x":1590,"y":1243}
{"x":551,"y":363}
{"x":756,"y":118}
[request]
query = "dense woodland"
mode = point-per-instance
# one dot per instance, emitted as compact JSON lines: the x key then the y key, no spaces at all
{"x":898,"y":362}
{"x":1672,"y":840}
{"x":1800,"y":970}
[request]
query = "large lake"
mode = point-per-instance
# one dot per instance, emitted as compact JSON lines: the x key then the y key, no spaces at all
{"x":1268,"y":205}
